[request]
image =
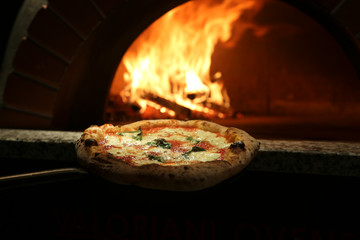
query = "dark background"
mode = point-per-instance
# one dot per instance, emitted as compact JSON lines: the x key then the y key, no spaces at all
{"x":8,"y":13}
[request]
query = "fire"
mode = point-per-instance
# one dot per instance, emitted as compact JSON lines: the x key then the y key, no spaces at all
{"x":168,"y":66}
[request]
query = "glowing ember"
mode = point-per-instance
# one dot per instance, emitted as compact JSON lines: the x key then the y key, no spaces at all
{"x":170,"y":61}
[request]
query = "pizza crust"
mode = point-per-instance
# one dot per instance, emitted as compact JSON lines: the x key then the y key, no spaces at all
{"x":189,"y":177}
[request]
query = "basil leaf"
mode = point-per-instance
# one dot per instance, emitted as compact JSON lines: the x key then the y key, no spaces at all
{"x":160,"y":142}
{"x":137,"y":136}
{"x":155,"y":158}
{"x":197,"y":149}
{"x":192,"y":140}
{"x":193,"y":149}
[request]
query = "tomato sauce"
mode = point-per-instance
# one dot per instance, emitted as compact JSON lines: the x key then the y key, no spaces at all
{"x":128,"y":159}
{"x":157,"y":129}
{"x":154,"y":153}
{"x":177,"y":146}
{"x":102,"y":141}
{"x":139,"y":147}
{"x":107,"y":147}
{"x":205,"y":145}
{"x":152,"y":130}
{"x":222,"y":153}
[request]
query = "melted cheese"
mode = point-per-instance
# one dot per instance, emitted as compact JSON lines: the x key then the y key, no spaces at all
{"x":124,"y":145}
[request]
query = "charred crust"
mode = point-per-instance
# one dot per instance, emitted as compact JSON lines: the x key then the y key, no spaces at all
{"x":237,"y":146}
{"x":90,"y":142}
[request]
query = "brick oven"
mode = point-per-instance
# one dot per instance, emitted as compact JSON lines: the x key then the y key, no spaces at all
{"x":302,"y":72}
{"x":291,"y":73}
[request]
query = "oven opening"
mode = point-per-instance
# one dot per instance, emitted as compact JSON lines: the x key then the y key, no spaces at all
{"x":166,"y":71}
{"x":263,"y":66}
{"x":276,"y":70}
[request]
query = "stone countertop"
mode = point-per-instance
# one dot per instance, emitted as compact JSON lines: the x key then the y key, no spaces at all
{"x":305,"y":157}
{"x":38,"y":144}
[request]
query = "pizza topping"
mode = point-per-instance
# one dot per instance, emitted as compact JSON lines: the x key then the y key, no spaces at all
{"x":160,"y":142}
{"x":137,"y":135}
{"x":128,"y":158}
{"x":107,"y":147}
{"x":192,"y":140}
{"x":222,"y":154}
{"x":193,"y":149}
{"x":165,"y":145}
{"x":156,"y":158}
{"x":153,"y":130}
{"x":205,"y":145}
{"x":178,"y":146}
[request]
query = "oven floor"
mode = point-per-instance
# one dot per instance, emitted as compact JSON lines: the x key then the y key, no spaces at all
{"x":252,"y":205}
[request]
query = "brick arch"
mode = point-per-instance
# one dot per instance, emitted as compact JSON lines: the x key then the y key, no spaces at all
{"x":66,"y":62}
{"x":62,"y":51}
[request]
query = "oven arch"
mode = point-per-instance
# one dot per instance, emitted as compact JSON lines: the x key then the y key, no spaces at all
{"x":81,"y":74}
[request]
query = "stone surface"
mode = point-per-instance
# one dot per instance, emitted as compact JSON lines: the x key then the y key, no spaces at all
{"x":309,"y":157}
{"x":38,"y":144}
{"x":303,"y":157}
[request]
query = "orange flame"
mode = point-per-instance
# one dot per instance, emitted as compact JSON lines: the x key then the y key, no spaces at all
{"x":172,"y":57}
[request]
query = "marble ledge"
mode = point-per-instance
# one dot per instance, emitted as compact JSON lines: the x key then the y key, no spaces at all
{"x":303,"y":157}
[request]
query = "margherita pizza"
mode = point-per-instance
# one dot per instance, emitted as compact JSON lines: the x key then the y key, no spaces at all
{"x":166,"y":154}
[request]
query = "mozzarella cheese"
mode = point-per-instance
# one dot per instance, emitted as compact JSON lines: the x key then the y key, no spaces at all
{"x":209,"y":146}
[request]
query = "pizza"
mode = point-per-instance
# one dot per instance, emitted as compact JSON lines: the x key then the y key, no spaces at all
{"x":166,"y":154}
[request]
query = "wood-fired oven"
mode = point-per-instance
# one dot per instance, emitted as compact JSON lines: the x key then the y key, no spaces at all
{"x":291,"y":70}
{"x":288,"y":72}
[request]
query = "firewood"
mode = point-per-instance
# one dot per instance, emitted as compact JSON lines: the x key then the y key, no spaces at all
{"x":181,"y":111}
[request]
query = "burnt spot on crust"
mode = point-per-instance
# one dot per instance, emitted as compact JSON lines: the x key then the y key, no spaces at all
{"x":171,"y":176}
{"x":90,"y":142}
{"x":237,"y":146}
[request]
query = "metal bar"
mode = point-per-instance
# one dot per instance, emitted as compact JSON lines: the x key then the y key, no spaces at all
{"x":41,"y":177}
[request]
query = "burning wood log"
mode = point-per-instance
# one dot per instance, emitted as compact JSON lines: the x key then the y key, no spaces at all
{"x":211,"y":110}
{"x":181,"y":111}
